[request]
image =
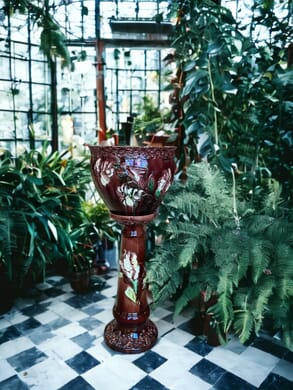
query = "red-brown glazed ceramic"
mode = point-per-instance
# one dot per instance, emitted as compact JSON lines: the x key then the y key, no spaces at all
{"x":132,"y":182}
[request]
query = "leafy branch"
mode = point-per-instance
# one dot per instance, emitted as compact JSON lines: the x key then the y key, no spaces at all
{"x":52,"y":39}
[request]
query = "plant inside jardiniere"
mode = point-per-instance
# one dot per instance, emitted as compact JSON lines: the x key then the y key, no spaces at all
{"x":219,"y":245}
{"x":41,"y":196}
{"x":103,"y":232}
{"x":97,"y":213}
{"x":86,"y":257}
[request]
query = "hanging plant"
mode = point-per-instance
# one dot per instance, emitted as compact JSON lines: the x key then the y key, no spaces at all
{"x":52,"y":39}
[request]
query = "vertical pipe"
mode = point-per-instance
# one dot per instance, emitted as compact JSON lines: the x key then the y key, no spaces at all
{"x":160,"y":77}
{"x":145,"y":73}
{"x":137,"y":10}
{"x":100,"y":92}
{"x":30,"y":110}
{"x":82,"y":20}
{"x":117,"y":119}
{"x":54,"y":105}
{"x":12,"y":79}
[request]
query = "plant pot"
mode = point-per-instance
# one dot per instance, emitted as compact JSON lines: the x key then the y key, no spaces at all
{"x":203,"y":322}
{"x":210,"y":331}
{"x":7,"y":294}
{"x":80,"y":281}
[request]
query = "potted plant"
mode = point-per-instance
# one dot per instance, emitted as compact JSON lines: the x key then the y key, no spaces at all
{"x":81,"y":259}
{"x":7,"y":289}
{"x":90,"y":243}
{"x":40,"y":198}
{"x":233,"y":255}
{"x":7,"y":292}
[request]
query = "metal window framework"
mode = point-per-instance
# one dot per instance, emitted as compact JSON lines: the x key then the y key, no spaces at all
{"x":109,"y":75}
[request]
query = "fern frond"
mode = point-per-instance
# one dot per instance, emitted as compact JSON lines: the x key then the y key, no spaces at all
{"x":284,"y":287}
{"x":257,"y":224}
{"x":280,"y":309}
{"x":260,"y":255}
{"x":243,"y":324}
{"x":259,"y":295}
{"x":280,"y":231}
{"x":162,"y":293}
{"x":186,"y":254}
{"x":225,"y":285}
{"x":223,"y":311}
{"x":273,"y":199}
{"x":240,"y":297}
{"x":189,"y":203}
{"x":231,"y":253}
{"x":205,"y":276}
{"x":287,"y":337}
{"x":184,"y":229}
{"x":188,"y":294}
{"x":283,"y":264}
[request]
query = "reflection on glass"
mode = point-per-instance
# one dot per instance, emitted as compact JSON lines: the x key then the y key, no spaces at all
{"x":136,"y":163}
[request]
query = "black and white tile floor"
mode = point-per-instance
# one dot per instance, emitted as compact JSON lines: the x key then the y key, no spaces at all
{"x":54,"y":340}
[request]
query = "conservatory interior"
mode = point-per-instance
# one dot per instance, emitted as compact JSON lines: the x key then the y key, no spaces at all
{"x":146,"y":225}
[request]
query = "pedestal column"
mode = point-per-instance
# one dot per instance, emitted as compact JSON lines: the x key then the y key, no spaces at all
{"x":131,"y":331}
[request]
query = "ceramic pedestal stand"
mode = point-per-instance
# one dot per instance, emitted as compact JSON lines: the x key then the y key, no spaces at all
{"x":132,"y":182}
{"x":131,"y":331}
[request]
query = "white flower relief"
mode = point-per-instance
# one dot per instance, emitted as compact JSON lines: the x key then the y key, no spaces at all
{"x":135,"y":175}
{"x":129,"y":265}
{"x":105,"y":171}
{"x":164,"y":181}
{"x":129,"y":195}
{"x":130,"y":269}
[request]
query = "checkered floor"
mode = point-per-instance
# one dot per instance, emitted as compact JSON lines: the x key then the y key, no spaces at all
{"x":53,"y":339}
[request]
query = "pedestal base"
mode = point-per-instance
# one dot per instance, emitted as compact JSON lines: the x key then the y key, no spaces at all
{"x":130,"y":340}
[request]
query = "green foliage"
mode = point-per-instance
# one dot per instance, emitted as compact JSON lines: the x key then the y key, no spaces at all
{"x":236,"y":87}
{"x":97,"y":225}
{"x":41,"y":199}
{"x":150,"y":119}
{"x":215,"y":243}
{"x":102,"y":226}
{"x":82,"y":252}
